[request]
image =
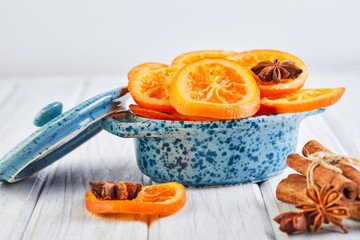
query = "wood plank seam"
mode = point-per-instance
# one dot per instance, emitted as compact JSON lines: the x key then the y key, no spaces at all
{"x":269,"y":219}
{"x":271,"y":209}
{"x":28,"y":209}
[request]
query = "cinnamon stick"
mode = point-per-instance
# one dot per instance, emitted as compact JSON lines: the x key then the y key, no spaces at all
{"x":348,"y":170}
{"x":293,"y":190}
{"x":324,"y":176}
{"x":354,"y":209}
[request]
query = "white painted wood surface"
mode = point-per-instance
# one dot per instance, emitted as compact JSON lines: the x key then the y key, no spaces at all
{"x":50,"y":204}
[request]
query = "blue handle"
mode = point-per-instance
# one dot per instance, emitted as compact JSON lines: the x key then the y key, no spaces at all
{"x":127,"y":125}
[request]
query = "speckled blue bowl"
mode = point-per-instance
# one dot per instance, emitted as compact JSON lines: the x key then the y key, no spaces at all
{"x":210,"y":153}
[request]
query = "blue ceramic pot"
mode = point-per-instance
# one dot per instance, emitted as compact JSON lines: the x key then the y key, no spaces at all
{"x":210,"y":153}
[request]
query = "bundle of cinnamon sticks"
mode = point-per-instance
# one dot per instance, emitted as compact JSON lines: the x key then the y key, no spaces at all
{"x":347,"y":181}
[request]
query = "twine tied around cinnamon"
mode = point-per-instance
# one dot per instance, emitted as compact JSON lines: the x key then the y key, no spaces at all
{"x":328,"y":161}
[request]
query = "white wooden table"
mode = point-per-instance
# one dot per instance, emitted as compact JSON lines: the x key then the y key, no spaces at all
{"x":50,"y":204}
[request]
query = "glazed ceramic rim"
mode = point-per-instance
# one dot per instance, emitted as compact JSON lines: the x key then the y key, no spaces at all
{"x":180,"y":123}
{"x":130,"y":119}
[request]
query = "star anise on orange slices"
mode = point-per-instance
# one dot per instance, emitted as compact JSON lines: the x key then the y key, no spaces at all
{"x":324,"y":207}
{"x":275,"y":63}
{"x":275,"y":71}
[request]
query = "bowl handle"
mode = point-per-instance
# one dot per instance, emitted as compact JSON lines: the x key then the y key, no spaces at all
{"x":125,"y":124}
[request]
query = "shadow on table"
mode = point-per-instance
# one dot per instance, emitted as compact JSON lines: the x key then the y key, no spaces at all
{"x":124,"y":217}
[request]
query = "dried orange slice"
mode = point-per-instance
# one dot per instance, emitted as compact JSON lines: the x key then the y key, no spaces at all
{"x":146,"y":67}
{"x":148,"y":85}
{"x":301,"y":101}
{"x":182,"y":117}
{"x":215,"y":88}
{"x":190,"y":57}
{"x":250,"y":59}
{"x":166,"y":198}
{"x":175,"y":116}
{"x":152,"y":114}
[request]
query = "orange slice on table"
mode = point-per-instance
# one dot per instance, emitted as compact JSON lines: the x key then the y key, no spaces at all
{"x":251,"y":58}
{"x":301,"y":101}
{"x":215,"y":88}
{"x":149,"y":83}
{"x":166,"y":198}
{"x":190,"y":57}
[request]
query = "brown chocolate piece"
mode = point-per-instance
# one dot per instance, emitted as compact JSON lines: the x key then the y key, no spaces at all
{"x":108,"y":190}
{"x":133,"y":189}
{"x":121,"y":192}
{"x":96,"y":188}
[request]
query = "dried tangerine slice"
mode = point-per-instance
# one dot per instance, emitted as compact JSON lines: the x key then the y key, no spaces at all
{"x":182,"y":117}
{"x":251,"y":58}
{"x":175,"y":116}
{"x":190,"y":57}
{"x":146,"y":67}
{"x":149,"y":83}
{"x":215,"y":88}
{"x":301,"y":101}
{"x":166,"y":198}
{"x":152,"y":114}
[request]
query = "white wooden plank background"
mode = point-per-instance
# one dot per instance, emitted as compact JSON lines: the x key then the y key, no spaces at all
{"x":218,"y":213}
{"x":50,"y":204}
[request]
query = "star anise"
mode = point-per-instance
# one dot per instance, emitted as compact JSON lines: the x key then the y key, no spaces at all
{"x":324,"y":207}
{"x":291,"y":222}
{"x":269,"y":71}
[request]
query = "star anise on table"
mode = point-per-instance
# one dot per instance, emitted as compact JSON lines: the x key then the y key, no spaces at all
{"x":294,"y":222}
{"x":269,"y":71}
{"x":324,"y":207}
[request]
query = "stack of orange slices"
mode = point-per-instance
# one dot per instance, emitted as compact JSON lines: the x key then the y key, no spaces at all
{"x":218,"y":84}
